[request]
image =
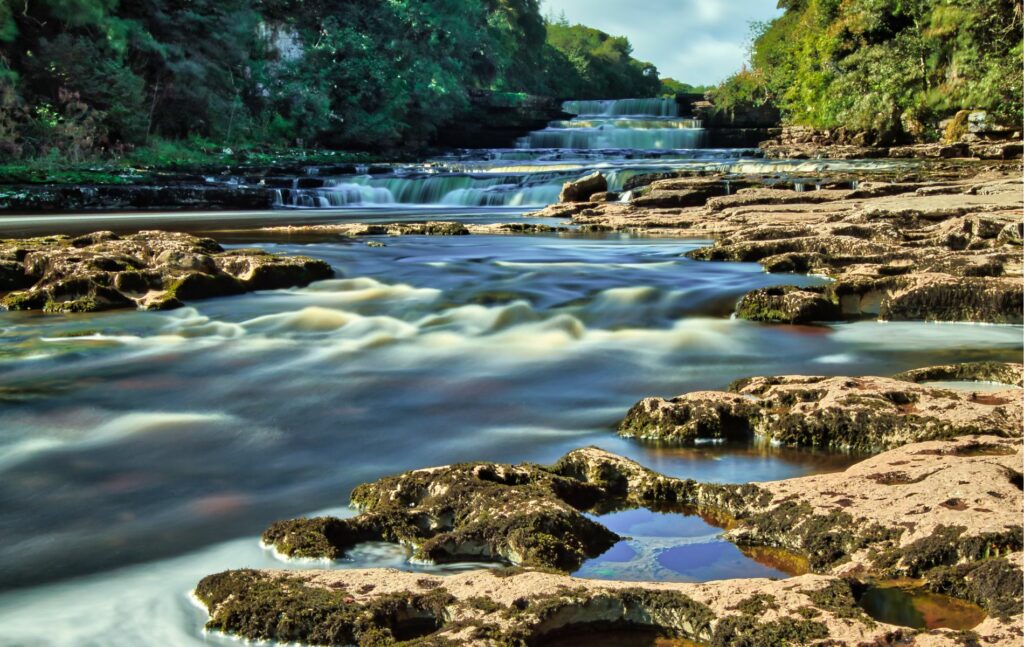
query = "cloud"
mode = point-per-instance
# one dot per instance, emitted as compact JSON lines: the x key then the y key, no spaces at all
{"x":695,"y":41}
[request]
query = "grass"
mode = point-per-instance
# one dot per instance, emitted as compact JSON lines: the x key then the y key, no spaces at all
{"x":167,"y":156}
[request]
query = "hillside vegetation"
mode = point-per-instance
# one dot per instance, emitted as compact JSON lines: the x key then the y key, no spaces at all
{"x":80,"y":78}
{"x":892,"y":67}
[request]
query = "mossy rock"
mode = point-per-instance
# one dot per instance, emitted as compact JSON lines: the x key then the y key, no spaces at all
{"x":258,"y":606}
{"x":198,"y":285}
{"x":787,"y":304}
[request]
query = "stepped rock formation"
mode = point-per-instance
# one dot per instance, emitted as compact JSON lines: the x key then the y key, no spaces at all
{"x":944,"y":250}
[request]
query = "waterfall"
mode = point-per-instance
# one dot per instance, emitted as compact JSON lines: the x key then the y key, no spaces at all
{"x":626,"y":124}
{"x":660,"y":107}
{"x":620,"y":138}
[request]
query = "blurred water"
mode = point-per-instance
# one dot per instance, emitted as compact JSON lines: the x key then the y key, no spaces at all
{"x":135,"y":437}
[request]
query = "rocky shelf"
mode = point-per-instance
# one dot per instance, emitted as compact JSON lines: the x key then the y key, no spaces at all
{"x":944,"y":513}
{"x":843,"y":413}
{"x":151,"y":270}
{"x":932,"y":250}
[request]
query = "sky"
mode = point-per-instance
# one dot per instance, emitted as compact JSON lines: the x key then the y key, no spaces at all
{"x":693,"y":41}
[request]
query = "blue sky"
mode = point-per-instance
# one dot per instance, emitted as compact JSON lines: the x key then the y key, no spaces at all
{"x":695,"y":41}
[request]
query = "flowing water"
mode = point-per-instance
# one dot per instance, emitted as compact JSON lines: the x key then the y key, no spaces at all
{"x":140,"y":451}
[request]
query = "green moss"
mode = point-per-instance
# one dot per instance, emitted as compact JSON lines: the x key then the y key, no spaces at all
{"x":197,"y":285}
{"x":487,"y":605}
{"x":23,"y":301}
{"x":320,"y":537}
{"x":757,"y":604}
{"x":826,"y":540}
{"x":81,"y":304}
{"x":946,"y":546}
{"x":993,"y":584}
{"x":746,"y":631}
{"x":258,"y":606}
{"x":837,"y":598}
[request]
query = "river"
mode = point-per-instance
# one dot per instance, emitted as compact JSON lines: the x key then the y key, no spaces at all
{"x":140,"y":451}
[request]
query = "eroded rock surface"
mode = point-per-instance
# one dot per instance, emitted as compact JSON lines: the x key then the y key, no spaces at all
{"x":859,"y":413}
{"x":944,"y":512}
{"x":381,"y":606}
{"x":936,"y":250}
{"x":154,"y":270}
{"x":523,"y":514}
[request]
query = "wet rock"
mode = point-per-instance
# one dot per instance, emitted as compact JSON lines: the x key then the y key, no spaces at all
{"x":605,"y":196}
{"x":787,"y":304}
{"x":999,"y":372}
{"x":580,"y":190}
{"x":519,"y":514}
{"x":865,"y":413}
{"x":704,"y":414}
{"x":149,"y":270}
{"x":13,"y":276}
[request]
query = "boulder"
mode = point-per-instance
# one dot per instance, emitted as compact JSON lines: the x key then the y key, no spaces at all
{"x":580,"y":190}
{"x":787,"y":304}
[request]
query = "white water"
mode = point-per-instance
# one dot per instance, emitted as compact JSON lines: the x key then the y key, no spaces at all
{"x":654,"y":124}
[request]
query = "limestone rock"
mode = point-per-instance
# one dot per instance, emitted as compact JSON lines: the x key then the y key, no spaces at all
{"x":787,"y":304}
{"x":486,"y":608}
{"x":899,"y":251}
{"x":865,"y":413}
{"x":580,"y":190}
{"x":945,"y":512}
{"x":149,"y":270}
{"x":999,"y":372}
{"x":520,"y":514}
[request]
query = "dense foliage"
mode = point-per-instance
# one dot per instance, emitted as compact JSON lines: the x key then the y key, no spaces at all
{"x":893,"y":67}
{"x":79,"y":77}
{"x":672,"y":87}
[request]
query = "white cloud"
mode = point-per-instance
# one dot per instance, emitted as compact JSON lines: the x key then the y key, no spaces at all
{"x":695,"y":41}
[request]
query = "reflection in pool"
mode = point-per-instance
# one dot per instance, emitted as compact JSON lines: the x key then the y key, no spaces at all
{"x":676,"y":546}
{"x":899,"y":603}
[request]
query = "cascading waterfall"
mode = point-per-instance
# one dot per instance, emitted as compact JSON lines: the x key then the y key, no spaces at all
{"x":634,"y":124}
{"x":525,"y":187}
{"x":660,"y":107}
{"x":621,"y":138}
